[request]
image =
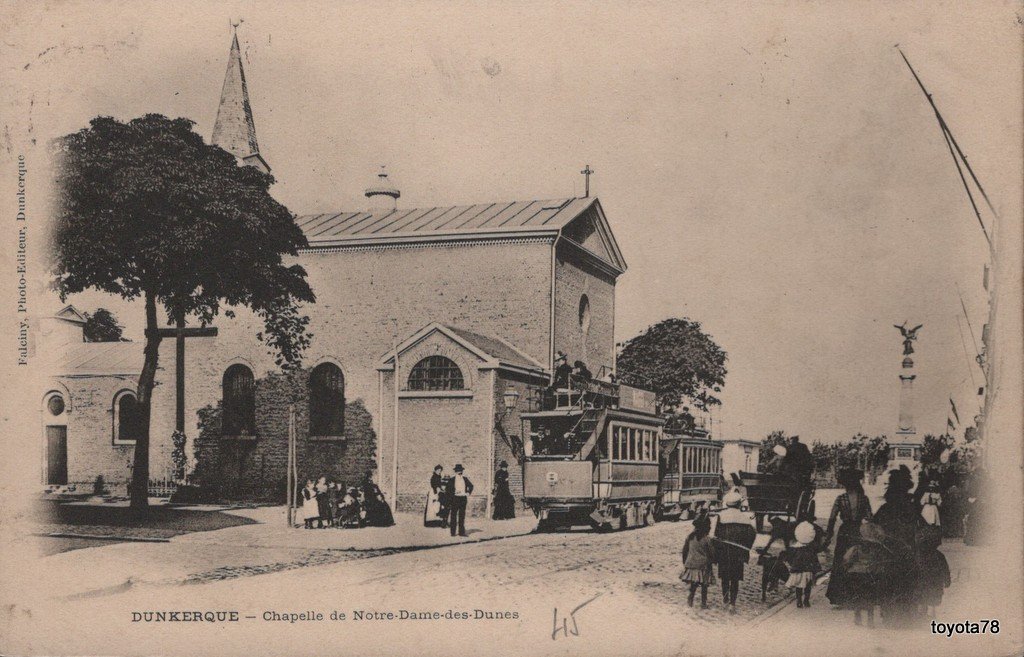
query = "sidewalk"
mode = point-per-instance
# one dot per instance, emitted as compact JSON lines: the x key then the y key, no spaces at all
{"x":267,"y":545}
{"x":272,"y":531}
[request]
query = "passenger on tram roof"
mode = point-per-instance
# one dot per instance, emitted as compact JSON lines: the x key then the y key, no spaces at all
{"x":563,"y":370}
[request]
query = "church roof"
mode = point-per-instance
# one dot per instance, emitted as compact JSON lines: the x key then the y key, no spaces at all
{"x":460,"y":222}
{"x":234,"y":129}
{"x":101,"y":358}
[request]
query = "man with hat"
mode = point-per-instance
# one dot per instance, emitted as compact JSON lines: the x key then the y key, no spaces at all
{"x":734,"y":536}
{"x":458,"y":490}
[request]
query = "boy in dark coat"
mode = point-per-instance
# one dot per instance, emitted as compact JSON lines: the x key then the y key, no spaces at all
{"x":734,"y":536}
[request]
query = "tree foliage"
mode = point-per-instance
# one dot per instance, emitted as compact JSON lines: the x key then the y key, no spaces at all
{"x":146,"y":209}
{"x":102,"y":326}
{"x":678,"y":361}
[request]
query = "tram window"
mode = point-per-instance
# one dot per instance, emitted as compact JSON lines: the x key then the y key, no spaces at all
{"x":633,"y":447}
{"x":615,"y":443}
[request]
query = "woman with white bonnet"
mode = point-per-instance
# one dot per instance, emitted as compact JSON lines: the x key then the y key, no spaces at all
{"x":734,"y":536}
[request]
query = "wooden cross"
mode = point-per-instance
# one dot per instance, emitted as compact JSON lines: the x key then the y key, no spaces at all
{"x":179,"y":333}
{"x":586,"y":173}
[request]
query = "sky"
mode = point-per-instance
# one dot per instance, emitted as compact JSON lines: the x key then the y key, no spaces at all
{"x":771,"y":171}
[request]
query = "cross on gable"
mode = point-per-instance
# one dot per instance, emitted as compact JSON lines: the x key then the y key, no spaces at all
{"x":586,"y":174}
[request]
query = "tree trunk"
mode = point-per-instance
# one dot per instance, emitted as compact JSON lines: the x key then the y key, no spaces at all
{"x":147,"y":381}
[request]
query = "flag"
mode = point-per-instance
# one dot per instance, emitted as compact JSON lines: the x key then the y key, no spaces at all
{"x":949,"y":423}
{"x":955,"y":414}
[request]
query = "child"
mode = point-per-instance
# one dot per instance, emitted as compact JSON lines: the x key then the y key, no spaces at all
{"x":348,"y":510}
{"x":934,"y":571}
{"x":698,"y":555}
{"x":310,"y":508}
{"x":802,"y":559}
{"x":734,"y":536}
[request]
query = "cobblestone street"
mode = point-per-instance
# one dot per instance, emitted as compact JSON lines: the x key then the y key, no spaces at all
{"x":537,"y":577}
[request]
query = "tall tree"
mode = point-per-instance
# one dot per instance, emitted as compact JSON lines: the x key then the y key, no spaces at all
{"x":678,"y":361}
{"x":146,"y":209}
{"x":102,"y":326}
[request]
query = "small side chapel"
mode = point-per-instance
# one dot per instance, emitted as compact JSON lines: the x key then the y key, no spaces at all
{"x":433,"y":326}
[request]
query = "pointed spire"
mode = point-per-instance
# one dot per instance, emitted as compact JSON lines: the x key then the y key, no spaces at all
{"x":234,"y":129}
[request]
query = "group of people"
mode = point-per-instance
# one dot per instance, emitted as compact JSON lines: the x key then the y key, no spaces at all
{"x":888,"y":559}
{"x":729,"y":547}
{"x":330,"y":504}
{"x":448,"y":498}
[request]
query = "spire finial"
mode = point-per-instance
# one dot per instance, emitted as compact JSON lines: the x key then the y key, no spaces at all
{"x":586,"y":174}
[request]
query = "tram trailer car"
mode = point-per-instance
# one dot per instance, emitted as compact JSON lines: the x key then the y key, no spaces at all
{"x":691,"y":474}
{"x":592,"y":458}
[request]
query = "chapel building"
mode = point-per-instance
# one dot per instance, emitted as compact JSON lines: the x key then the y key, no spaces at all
{"x":432,"y":330}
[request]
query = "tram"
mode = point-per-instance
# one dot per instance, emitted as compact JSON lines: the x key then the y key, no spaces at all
{"x":591,"y":457}
{"x":691,"y":472}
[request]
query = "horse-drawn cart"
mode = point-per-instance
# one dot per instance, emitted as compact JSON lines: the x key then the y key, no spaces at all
{"x":775,"y":496}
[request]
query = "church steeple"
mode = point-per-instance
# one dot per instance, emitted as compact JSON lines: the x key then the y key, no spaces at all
{"x":234,"y":129}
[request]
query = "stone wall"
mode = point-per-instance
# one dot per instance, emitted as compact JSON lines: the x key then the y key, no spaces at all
{"x":89,"y":417}
{"x":573,"y":279}
{"x":256,"y":468}
{"x":495,"y":289}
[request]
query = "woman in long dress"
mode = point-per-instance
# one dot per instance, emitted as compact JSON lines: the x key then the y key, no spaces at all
{"x":432,"y":511}
{"x":378,"y":513}
{"x":851,"y":508}
{"x":310,"y":507}
{"x":930,"y":503}
{"x":900,"y":521}
{"x":504,"y":503}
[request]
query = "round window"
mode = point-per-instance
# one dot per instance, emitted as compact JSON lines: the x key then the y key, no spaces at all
{"x":584,"y":313}
{"x":55,"y":405}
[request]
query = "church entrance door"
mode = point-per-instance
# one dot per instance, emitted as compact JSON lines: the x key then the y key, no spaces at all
{"x":56,"y":455}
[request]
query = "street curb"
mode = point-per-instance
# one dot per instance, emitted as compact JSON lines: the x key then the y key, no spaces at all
{"x":104,"y":537}
{"x":388,"y":548}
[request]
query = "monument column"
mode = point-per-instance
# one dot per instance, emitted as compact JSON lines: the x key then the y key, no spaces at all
{"x":906,"y":424}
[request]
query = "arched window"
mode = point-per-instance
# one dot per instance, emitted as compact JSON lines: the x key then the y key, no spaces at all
{"x":585,"y":314}
{"x":326,"y":400}
{"x":127,"y":419}
{"x":239,"y":406}
{"x":436,"y":373}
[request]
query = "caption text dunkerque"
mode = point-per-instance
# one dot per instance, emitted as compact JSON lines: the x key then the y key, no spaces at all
{"x":314,"y":616}
{"x":21,"y":261}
